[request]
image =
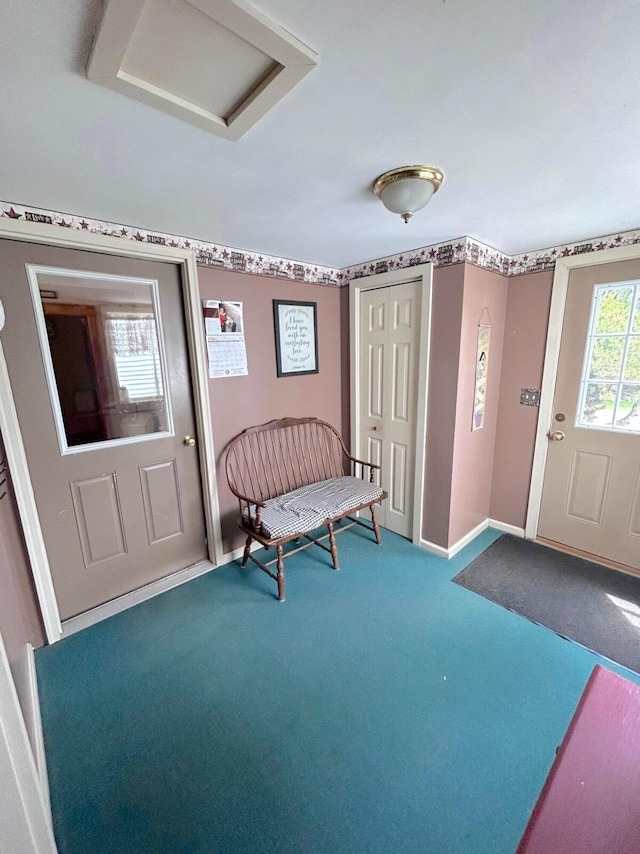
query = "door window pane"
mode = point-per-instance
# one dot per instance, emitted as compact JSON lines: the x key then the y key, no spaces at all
{"x":628,"y":411}
{"x":632,"y":363}
{"x":614,"y":307}
{"x":102,"y":347}
{"x":598,"y":405}
{"x":612,"y":357}
{"x":606,"y":358}
{"x":636,"y":314}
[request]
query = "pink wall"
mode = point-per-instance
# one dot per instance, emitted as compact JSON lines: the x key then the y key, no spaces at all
{"x":459,"y":464}
{"x":524,"y":345}
{"x":475,"y":475}
{"x":446,"y":317}
{"x":473,"y":450}
{"x":19,"y":612}
{"x":239,"y":402}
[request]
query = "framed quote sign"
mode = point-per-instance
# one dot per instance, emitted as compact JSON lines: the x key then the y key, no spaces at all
{"x":296,"y":327}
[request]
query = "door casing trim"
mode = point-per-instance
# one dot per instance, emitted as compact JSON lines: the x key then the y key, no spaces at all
{"x":563,"y":268}
{"x":26,"y":824}
{"x":185,"y":259}
{"x":423,"y":274}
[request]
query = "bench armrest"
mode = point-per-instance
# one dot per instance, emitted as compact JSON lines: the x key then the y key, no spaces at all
{"x":362,"y":463}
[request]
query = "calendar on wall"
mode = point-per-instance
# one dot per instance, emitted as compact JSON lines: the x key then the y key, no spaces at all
{"x":224,"y":330}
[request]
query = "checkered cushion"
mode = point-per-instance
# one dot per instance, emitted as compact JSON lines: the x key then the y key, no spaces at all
{"x":310,"y":506}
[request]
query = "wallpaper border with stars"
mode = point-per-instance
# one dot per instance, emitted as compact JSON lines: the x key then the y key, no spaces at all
{"x":463,"y":249}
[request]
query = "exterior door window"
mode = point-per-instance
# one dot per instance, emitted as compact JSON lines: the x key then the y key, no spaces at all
{"x":610,"y":389}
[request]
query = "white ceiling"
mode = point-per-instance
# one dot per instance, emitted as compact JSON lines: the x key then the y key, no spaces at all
{"x":530,"y":107}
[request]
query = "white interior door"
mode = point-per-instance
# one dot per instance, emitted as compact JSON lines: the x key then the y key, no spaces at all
{"x":389,"y":336}
{"x":591,"y":490}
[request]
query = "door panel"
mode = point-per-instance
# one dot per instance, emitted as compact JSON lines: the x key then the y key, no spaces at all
{"x":117,"y":492}
{"x":588,"y":480}
{"x":374,"y":455}
{"x":401,"y":381}
{"x":98,"y":518}
{"x":398,"y":494}
{"x":376,"y":383}
{"x":590,"y":491}
{"x":389,"y":336}
{"x":160,"y":491}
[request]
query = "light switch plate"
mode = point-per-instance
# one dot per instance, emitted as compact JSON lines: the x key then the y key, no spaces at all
{"x":530,"y":397}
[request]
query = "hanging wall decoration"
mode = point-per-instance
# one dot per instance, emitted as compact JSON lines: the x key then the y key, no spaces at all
{"x":482,"y":365}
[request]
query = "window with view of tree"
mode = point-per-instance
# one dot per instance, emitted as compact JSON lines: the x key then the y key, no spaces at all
{"x":610,"y":390}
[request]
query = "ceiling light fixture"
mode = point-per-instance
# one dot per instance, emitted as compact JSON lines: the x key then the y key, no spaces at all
{"x":408,"y":189}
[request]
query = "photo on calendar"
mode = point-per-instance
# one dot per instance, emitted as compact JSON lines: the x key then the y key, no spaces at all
{"x":226,"y":348}
{"x":230,"y":317}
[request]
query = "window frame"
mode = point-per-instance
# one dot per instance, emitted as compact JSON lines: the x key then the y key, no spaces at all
{"x":35,"y":270}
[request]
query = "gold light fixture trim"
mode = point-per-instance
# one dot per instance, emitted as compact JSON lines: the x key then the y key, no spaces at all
{"x":408,"y":173}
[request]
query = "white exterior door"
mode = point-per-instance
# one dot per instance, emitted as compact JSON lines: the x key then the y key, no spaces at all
{"x":389,"y":335}
{"x":591,"y":491}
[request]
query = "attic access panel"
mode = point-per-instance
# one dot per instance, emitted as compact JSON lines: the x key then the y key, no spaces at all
{"x":218,"y":64}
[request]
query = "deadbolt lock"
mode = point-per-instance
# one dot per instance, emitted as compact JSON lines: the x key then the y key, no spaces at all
{"x":560,"y":416}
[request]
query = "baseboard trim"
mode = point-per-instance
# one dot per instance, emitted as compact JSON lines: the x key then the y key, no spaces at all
{"x":136,"y":597}
{"x":464,"y":541}
{"x":433,"y":548}
{"x":441,"y":551}
{"x":447,"y":553}
{"x":37,"y":740}
{"x":506,"y":528}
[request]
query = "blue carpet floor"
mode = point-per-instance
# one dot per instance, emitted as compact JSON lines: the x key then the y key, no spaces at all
{"x":380,"y":709}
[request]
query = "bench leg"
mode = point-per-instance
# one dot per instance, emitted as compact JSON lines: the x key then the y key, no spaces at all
{"x":332,"y":543}
{"x":247,"y":551}
{"x":376,"y":527}
{"x":280,"y":566}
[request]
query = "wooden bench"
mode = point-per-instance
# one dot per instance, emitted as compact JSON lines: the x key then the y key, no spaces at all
{"x":290,"y":477}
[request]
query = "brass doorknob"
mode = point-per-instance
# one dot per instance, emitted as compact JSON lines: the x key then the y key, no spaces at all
{"x":556,"y":436}
{"x":189,"y":441}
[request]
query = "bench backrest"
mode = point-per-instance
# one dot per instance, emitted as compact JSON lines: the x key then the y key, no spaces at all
{"x":282,"y":455}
